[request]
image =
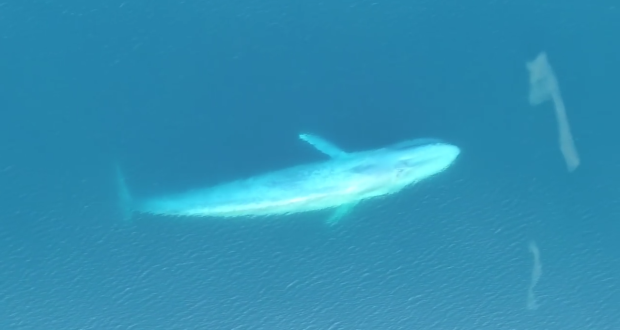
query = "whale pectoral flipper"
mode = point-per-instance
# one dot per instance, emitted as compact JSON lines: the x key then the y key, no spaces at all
{"x":323,"y":145}
{"x":340,"y":212}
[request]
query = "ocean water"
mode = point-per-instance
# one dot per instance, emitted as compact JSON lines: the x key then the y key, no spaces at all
{"x":185,"y":93}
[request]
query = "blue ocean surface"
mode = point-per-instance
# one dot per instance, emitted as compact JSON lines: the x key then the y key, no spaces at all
{"x":186,"y":93}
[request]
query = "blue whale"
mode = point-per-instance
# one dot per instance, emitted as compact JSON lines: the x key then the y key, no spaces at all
{"x":338,"y":183}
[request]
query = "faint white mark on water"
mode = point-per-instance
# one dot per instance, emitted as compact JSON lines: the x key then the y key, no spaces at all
{"x":532,"y":302}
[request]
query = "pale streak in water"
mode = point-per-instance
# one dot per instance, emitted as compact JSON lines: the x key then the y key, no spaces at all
{"x":536,"y":273}
{"x":544,"y":87}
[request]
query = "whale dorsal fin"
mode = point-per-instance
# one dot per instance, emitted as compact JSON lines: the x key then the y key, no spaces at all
{"x":323,"y":145}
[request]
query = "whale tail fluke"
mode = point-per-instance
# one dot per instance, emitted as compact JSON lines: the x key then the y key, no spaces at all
{"x":125,"y":201}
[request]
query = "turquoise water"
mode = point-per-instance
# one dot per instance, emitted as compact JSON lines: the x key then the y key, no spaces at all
{"x":186,"y":93}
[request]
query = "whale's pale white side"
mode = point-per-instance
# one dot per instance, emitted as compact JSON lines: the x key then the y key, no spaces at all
{"x":340,"y":182}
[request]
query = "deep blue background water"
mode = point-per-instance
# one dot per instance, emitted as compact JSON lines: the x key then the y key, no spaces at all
{"x":186,"y":93}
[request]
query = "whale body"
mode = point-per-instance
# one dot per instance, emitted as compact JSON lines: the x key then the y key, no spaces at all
{"x":339,"y":183}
